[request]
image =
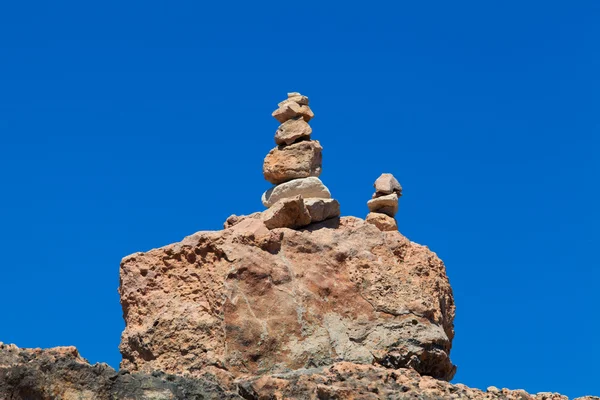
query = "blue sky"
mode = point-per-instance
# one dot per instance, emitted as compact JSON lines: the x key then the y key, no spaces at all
{"x":128,"y":126}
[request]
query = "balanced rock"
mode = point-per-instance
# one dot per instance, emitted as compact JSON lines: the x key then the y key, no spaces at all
{"x":287,"y":213}
{"x":387,"y":184}
{"x":387,"y":204}
{"x":382,"y":221}
{"x":306,"y":187}
{"x":298,"y":160}
{"x":322,"y":209}
{"x":292,"y":130}
{"x":289,"y":109}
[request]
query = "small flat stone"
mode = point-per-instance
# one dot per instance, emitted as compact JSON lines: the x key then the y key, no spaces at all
{"x":290,"y":109}
{"x":287,"y":213}
{"x":322,"y":209}
{"x":387,"y":203}
{"x":387,"y":184}
{"x":382,"y":222}
{"x":307,"y":187}
{"x":291,"y":131}
{"x":298,"y":160}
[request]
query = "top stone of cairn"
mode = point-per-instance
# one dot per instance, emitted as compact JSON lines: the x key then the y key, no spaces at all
{"x":387,"y":184}
{"x":296,"y":105}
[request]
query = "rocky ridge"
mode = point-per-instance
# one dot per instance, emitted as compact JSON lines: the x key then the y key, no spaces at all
{"x":61,"y":374}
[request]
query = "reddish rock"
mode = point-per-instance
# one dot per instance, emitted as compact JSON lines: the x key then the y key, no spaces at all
{"x":382,"y":221}
{"x":292,"y":131}
{"x":290,"y":300}
{"x":287,"y":213}
{"x":289,"y":109}
{"x":298,"y":160}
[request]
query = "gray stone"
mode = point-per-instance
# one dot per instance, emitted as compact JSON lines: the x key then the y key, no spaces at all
{"x":322,"y":209}
{"x":387,"y":204}
{"x":387,"y":184}
{"x":307,"y":187}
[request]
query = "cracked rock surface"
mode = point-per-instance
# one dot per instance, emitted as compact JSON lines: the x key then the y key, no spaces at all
{"x":250,"y":303}
{"x":61,"y":374}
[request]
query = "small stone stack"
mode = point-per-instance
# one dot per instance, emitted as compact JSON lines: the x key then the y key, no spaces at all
{"x":384,"y":204}
{"x":295,"y":164}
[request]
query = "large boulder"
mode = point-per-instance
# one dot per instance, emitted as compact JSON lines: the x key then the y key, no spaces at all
{"x":298,"y":160}
{"x":247,"y":304}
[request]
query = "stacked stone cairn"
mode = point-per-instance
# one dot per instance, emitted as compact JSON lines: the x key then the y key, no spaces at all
{"x":294,"y":167}
{"x":298,"y":198}
{"x":384,"y":204}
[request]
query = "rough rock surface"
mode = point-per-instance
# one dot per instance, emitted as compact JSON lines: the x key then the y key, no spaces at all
{"x":322,"y":209}
{"x":61,"y":374}
{"x":291,"y":131}
{"x":290,"y":300}
{"x":287,"y":213}
{"x":298,"y":160}
{"x":387,"y":184}
{"x":382,"y":221}
{"x":306,"y":187}
{"x":289,"y":109}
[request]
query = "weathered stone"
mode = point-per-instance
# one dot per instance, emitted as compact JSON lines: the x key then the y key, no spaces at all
{"x":58,"y":374}
{"x":306,"y":187}
{"x":292,"y":130}
{"x":352,"y":293}
{"x":322,"y":209}
{"x":298,"y":160}
{"x":387,"y":204}
{"x":382,"y":221}
{"x":287,"y":213}
{"x":290,"y":109}
{"x":236,"y":219}
{"x":387,"y":184}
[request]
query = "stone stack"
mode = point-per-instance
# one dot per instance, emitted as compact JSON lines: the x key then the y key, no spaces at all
{"x":294,"y":165}
{"x":384,"y":204}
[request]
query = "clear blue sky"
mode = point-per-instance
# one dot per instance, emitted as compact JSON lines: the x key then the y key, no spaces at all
{"x":130,"y":125}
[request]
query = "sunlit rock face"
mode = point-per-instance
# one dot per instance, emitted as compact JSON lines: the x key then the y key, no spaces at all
{"x":259,"y":301}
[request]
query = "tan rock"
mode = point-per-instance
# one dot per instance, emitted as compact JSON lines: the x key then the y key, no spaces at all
{"x":382,"y":221}
{"x":291,"y":131}
{"x":312,"y":297}
{"x":52,"y":374}
{"x":298,"y":160}
{"x":387,"y":184}
{"x":287,"y":213}
{"x":236,"y":219}
{"x":295,"y":97}
{"x":306,"y":187}
{"x":322,"y":209}
{"x":387,"y":204}
{"x":289,"y":109}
